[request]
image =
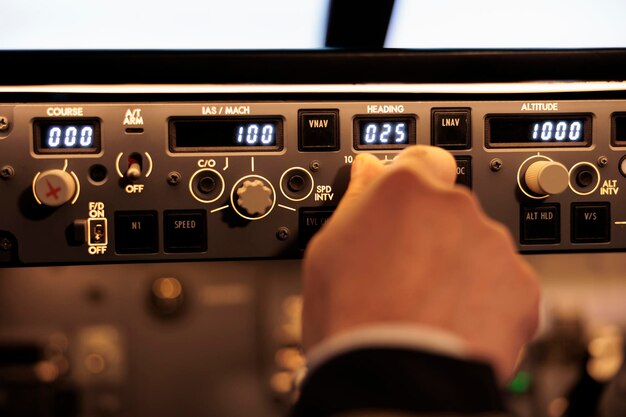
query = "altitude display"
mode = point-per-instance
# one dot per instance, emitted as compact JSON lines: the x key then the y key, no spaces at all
{"x":384,"y":133}
{"x":540,"y":130}
{"x":247,"y":134}
{"x":67,"y":136}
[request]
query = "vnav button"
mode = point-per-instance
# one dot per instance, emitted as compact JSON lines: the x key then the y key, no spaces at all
{"x":318,"y":130}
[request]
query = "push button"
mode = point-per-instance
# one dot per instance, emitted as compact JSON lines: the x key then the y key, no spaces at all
{"x":540,"y":224}
{"x":464,"y":171}
{"x":451,"y":128}
{"x":591,"y":223}
{"x":311,"y":221}
{"x":185,"y":231}
{"x":136,"y":232}
{"x":318,"y":130}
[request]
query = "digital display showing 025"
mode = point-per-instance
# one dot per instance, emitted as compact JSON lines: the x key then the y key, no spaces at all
{"x":394,"y":132}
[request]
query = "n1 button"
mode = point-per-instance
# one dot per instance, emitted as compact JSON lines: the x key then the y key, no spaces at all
{"x":136,"y":232}
{"x":540,"y":224}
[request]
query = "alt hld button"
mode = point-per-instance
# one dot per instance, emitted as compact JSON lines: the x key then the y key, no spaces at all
{"x":540,"y":224}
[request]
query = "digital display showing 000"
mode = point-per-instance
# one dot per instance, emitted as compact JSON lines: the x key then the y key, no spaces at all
{"x":67,"y":136}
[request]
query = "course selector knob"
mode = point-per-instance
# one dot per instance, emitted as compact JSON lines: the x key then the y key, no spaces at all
{"x":54,"y":187}
{"x":546,"y":177}
{"x":255,"y":197}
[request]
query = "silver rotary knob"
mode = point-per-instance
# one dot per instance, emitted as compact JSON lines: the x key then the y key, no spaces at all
{"x":546,"y":177}
{"x":255,"y":197}
{"x":54,"y":187}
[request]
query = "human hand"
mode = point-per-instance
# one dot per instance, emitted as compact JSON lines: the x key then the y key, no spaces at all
{"x":408,"y":246}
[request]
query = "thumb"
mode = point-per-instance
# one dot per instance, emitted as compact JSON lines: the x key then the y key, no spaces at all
{"x":365,"y":169}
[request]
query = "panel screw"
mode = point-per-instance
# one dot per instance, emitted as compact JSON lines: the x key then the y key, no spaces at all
{"x":495,"y":164}
{"x":4,"y":123}
{"x":315,"y":166}
{"x":282,"y":233}
{"x":603,"y":161}
{"x":5,"y":244}
{"x":7,"y":172}
{"x":173,"y":178}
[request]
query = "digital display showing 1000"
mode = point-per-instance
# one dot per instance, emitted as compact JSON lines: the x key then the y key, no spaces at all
{"x":539,"y":130}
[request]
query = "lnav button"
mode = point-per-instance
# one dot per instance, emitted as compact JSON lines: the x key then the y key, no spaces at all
{"x":311,"y":221}
{"x":451,"y":128}
{"x":185,"y":231}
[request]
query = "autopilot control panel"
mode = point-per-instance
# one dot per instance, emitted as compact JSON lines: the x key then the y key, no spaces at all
{"x":245,"y":176}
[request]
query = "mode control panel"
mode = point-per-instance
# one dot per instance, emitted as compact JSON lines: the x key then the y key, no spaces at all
{"x":135,"y":181}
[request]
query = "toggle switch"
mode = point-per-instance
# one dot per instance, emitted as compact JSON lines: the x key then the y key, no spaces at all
{"x":133,"y":172}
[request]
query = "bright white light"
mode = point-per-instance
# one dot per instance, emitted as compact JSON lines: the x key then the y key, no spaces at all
{"x":159,"y":24}
{"x":491,"y":24}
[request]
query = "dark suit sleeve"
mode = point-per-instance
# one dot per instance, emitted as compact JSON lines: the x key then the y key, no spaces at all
{"x":398,"y":379}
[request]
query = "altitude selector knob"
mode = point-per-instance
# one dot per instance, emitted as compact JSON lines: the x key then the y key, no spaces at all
{"x":254,"y":197}
{"x":546,"y":177}
{"x":54,"y":187}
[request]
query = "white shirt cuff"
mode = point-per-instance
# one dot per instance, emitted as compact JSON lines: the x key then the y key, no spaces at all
{"x":416,"y":337}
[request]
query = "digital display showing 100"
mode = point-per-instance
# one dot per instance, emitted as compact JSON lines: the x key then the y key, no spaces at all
{"x":226,"y":134}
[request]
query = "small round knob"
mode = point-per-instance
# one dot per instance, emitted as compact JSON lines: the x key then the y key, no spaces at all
{"x":54,"y":187}
{"x":547,"y":177}
{"x":255,"y":197}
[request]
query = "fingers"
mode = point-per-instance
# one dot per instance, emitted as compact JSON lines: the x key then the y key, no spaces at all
{"x":434,"y":164}
{"x":365,"y":169}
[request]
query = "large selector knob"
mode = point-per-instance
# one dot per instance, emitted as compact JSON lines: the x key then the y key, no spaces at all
{"x":255,"y":197}
{"x":54,"y":187}
{"x":546,"y":177}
